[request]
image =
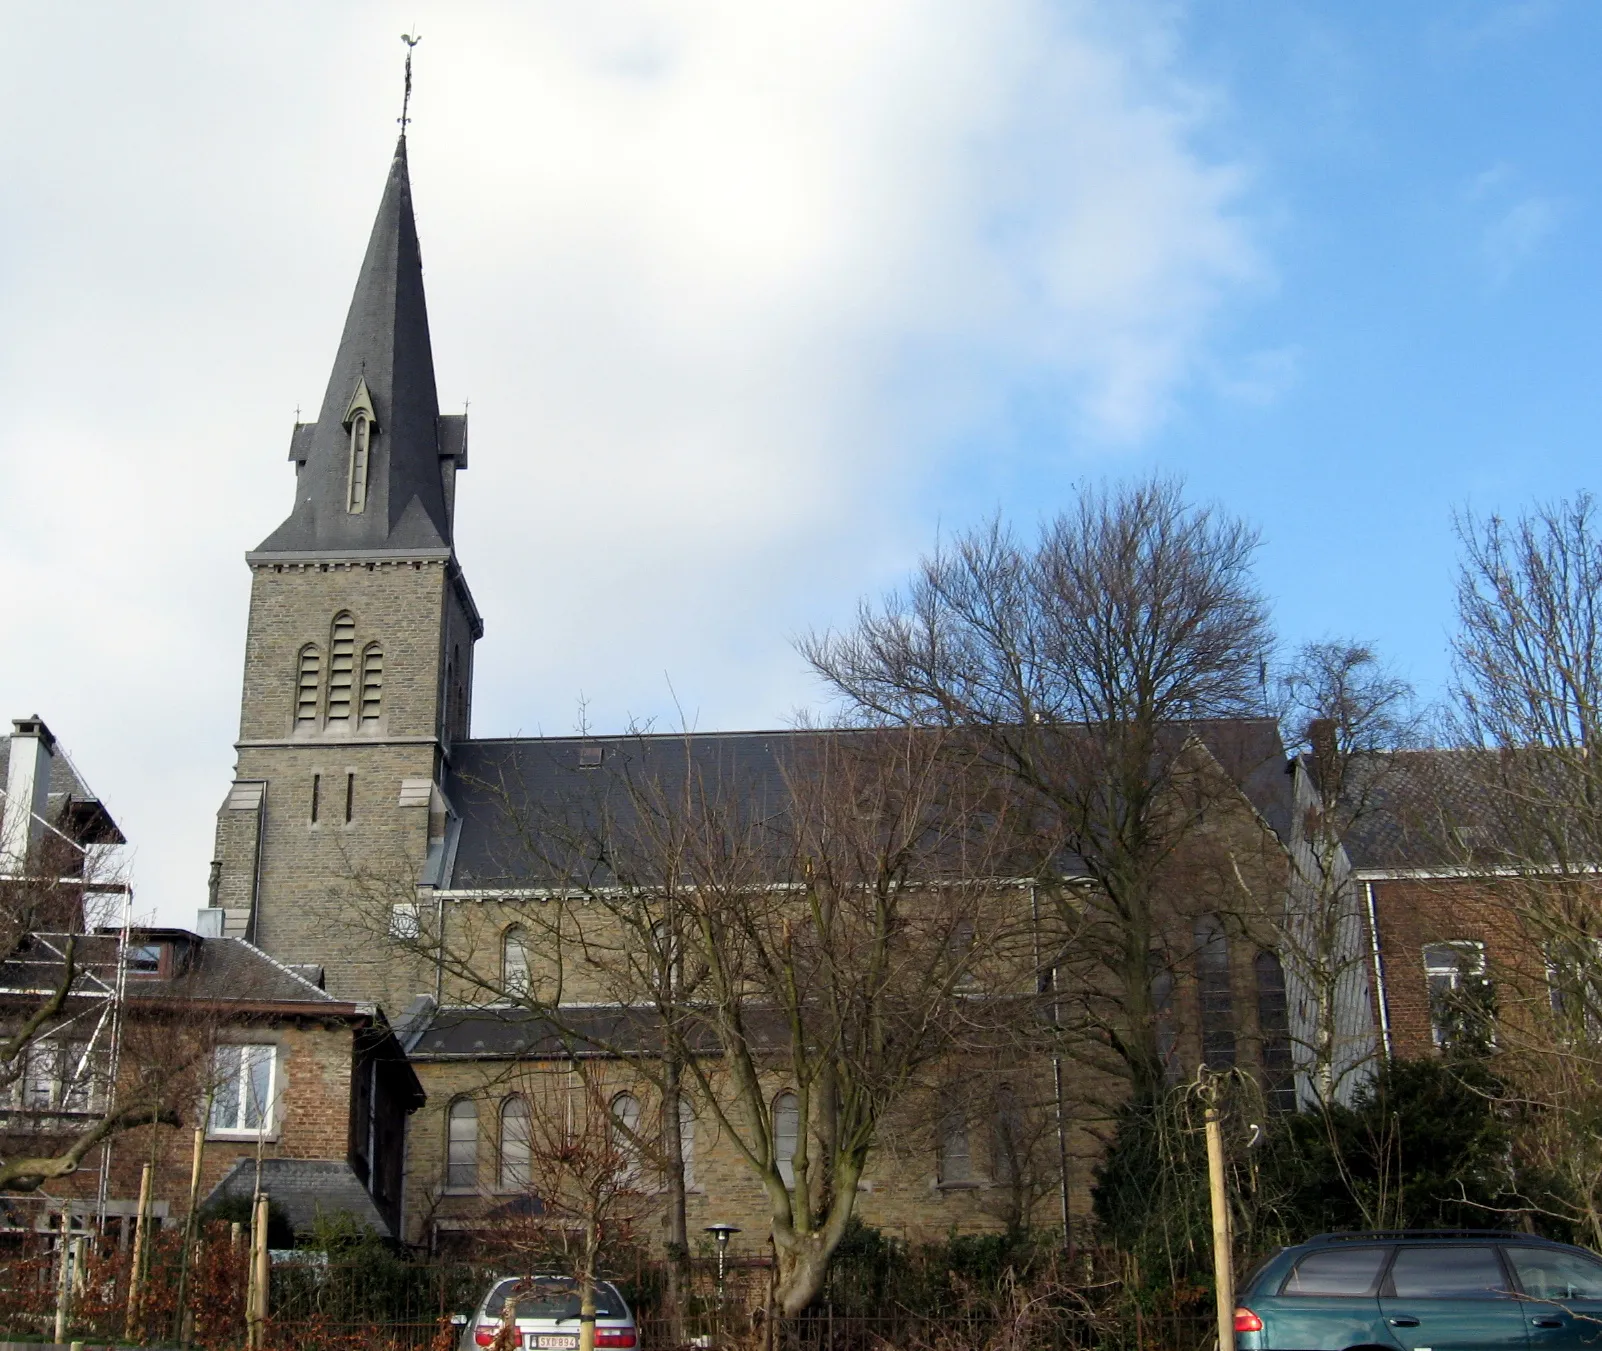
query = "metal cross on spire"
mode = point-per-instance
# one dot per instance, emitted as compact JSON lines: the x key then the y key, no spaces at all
{"x":406,"y":99}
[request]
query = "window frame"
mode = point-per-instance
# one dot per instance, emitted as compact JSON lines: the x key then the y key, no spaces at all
{"x":267,"y":1129}
{"x":514,"y":1103}
{"x":1440,"y":1000}
{"x":453,"y":1112}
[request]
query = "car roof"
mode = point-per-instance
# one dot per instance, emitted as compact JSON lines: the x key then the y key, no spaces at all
{"x":1448,"y":1236}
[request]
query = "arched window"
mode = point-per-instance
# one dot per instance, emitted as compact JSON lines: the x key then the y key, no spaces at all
{"x":626,"y":1134}
{"x":1212,"y":988}
{"x":515,"y":1150}
{"x":1273,"y":1026}
{"x":786,"y":1133}
{"x":359,"y":421}
{"x":461,"y":1146}
{"x":372,"y":684}
{"x":341,"y":670}
{"x":308,"y":676}
{"x":514,"y":962}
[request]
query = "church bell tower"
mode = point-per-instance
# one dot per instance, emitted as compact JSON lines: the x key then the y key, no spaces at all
{"x":359,"y":652}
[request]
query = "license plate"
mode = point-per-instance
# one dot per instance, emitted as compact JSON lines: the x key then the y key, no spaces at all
{"x":555,"y":1341}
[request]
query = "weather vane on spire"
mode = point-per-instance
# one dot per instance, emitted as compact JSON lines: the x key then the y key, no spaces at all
{"x":406,"y":99}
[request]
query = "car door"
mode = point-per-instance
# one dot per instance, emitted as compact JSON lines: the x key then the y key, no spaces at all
{"x":1453,"y":1297}
{"x":1329,"y":1300}
{"x":1562,"y":1290}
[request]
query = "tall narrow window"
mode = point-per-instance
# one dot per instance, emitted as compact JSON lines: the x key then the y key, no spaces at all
{"x":955,"y":1159}
{"x":361,"y":425}
{"x":1162,"y":1013}
{"x":309,"y":674}
{"x":341,"y":671}
{"x":372,"y":684}
{"x":515,"y":1150}
{"x":317,"y":793}
{"x":1212,"y":988}
{"x":687,"y":1141}
{"x":626,"y":1134}
{"x":461,"y":1146}
{"x":786,"y":1134}
{"x":514,"y":963}
{"x":350,"y":796}
{"x":1006,"y":1137}
{"x":1273,"y":1025}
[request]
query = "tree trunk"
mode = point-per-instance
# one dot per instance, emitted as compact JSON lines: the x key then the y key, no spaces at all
{"x":678,"y":1238}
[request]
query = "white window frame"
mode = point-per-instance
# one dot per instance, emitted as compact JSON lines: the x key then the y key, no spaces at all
{"x":238,"y":1077}
{"x":1436,"y":970}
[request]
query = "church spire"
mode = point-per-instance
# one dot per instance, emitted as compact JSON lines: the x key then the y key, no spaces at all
{"x":376,"y":470}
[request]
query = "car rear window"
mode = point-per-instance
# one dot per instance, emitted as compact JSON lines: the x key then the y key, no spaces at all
{"x":1338,"y":1271}
{"x":1554,"y":1273}
{"x":1457,"y":1272}
{"x":538,"y":1298}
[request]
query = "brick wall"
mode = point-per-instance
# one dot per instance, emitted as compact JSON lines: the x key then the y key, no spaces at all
{"x":313,"y":1120}
{"x":1413,"y":912}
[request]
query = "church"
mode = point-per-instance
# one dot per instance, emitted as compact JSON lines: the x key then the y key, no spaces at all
{"x":365,"y":820}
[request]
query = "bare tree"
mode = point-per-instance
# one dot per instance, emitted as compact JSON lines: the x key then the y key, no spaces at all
{"x":798,"y":955}
{"x":1081,"y":662}
{"x":1349,"y":715}
{"x":1528,"y":719}
{"x":585,"y":1170}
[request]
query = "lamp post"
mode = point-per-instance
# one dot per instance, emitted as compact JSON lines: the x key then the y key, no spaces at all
{"x":722,"y":1233}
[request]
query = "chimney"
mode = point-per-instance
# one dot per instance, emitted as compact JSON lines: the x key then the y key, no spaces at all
{"x":32,"y":753}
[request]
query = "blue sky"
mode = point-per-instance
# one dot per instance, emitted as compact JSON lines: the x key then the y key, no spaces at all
{"x":1426,"y":332}
{"x":750,"y":303}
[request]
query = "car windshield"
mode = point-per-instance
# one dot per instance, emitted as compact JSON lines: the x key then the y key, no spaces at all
{"x":551,"y":1297}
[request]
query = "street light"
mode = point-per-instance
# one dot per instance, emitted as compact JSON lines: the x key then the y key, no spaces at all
{"x":722,"y":1233}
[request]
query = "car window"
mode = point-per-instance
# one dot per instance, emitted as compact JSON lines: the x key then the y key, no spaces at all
{"x":551,"y":1298}
{"x":1552,"y":1273}
{"x":1447,"y":1273}
{"x":1338,"y":1271}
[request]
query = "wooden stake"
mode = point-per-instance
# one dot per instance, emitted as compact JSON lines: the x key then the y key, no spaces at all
{"x":260,"y":1274}
{"x":1223,"y":1263}
{"x":64,"y":1278}
{"x":189,"y":1228}
{"x":136,"y":1274}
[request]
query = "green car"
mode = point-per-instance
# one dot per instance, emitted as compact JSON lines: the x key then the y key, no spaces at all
{"x":1452,"y":1290}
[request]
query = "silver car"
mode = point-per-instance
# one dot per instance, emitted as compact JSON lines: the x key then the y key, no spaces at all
{"x":547,"y":1315}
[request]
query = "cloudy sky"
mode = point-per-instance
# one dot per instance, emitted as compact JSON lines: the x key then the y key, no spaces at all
{"x":751,"y":301}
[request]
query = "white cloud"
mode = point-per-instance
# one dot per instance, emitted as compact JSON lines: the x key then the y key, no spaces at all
{"x":726,"y":282}
{"x":1517,"y":235}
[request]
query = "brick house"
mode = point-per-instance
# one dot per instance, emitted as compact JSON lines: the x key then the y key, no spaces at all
{"x":317,"y":1087}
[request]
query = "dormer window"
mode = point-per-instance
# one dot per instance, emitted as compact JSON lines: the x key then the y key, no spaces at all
{"x":361,"y":424}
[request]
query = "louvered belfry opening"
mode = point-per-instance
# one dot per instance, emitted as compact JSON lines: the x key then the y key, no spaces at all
{"x":307,"y":681}
{"x":372,"y":684}
{"x":341,"y":670}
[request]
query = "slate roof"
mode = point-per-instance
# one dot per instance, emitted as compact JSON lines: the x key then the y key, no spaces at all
{"x":223,"y":970}
{"x":527,"y":806}
{"x":456,"y":1032}
{"x":1429,"y":809}
{"x":73,"y":805}
{"x":385,"y":342}
{"x":305,"y":1189}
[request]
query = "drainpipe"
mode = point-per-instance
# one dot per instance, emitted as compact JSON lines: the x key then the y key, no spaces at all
{"x":1379,"y":970}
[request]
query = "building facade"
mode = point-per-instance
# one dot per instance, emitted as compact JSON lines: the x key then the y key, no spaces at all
{"x":363,"y":815}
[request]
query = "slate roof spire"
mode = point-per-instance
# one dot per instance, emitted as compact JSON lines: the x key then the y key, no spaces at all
{"x":385,"y":363}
